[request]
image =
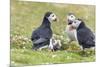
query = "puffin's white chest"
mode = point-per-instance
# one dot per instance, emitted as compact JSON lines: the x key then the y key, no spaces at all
{"x":72,"y":34}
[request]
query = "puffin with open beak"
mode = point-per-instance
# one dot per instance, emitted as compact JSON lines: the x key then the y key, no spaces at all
{"x":70,"y":30}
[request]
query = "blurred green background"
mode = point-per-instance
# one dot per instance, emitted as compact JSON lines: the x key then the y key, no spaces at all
{"x":27,"y":16}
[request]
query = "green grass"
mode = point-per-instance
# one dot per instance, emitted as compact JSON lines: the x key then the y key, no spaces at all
{"x":29,"y":57}
{"x":27,"y":16}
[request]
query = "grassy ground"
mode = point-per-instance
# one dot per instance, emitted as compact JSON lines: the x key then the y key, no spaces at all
{"x":27,"y":16}
{"x":29,"y":57}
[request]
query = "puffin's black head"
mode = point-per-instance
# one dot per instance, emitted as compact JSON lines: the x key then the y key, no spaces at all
{"x":79,"y":23}
{"x":50,"y":16}
{"x":70,"y":18}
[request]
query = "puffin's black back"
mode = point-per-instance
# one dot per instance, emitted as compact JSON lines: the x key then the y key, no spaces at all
{"x":85,"y":36}
{"x":44,"y":32}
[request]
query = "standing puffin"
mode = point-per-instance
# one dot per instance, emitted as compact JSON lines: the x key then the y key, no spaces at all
{"x":71,"y":32}
{"x":41,"y":36}
{"x":85,"y":36}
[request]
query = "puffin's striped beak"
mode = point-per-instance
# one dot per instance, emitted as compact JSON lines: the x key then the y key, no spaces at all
{"x":55,"y":19}
{"x":70,"y":22}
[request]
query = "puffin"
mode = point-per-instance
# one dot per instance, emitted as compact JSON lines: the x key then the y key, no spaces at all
{"x":41,"y":36}
{"x":85,"y":36}
{"x":71,"y":32}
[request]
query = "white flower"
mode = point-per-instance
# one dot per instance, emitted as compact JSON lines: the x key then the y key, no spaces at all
{"x":68,"y":57}
{"x":54,"y":56}
{"x":23,"y":43}
{"x":61,"y":37}
{"x":24,"y":47}
{"x":25,"y":38}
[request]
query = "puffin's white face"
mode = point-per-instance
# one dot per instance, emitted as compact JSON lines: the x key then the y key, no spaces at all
{"x":52,"y":17}
{"x":76,"y":23}
{"x":71,"y":17}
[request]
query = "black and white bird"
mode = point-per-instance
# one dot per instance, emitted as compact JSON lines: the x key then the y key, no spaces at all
{"x":55,"y":44}
{"x":85,"y":36}
{"x":71,"y":32}
{"x":41,"y":36}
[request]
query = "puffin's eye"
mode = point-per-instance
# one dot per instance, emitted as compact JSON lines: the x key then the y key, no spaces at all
{"x":71,"y":16}
{"x":52,"y":15}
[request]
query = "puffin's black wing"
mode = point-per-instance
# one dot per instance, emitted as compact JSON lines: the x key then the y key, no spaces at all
{"x":40,"y":40}
{"x":86,"y":37}
{"x":35,"y":35}
{"x":41,"y":35}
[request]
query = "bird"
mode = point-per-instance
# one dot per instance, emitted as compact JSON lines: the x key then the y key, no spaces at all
{"x":41,"y":36}
{"x":55,"y":44}
{"x":71,"y":32}
{"x":85,"y":36}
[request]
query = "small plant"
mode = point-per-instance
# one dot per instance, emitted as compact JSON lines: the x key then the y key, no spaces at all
{"x":18,"y":41}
